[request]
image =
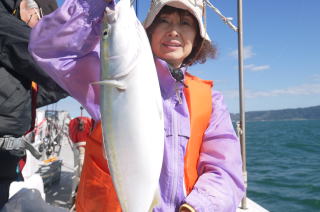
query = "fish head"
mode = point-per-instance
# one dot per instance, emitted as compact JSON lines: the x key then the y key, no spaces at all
{"x":120,"y":44}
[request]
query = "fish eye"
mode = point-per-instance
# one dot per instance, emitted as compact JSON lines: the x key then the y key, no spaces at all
{"x":105,"y":32}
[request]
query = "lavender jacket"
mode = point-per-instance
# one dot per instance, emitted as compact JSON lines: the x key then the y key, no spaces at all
{"x":66,"y":46}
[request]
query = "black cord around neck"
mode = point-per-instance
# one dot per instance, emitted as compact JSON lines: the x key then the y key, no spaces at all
{"x":178,"y":75}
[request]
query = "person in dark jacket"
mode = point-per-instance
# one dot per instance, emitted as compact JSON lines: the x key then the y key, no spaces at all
{"x":17,"y":71}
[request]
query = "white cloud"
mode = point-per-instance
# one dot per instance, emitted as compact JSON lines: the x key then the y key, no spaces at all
{"x":316,"y":77}
{"x":247,"y":52}
{"x":252,"y":67}
{"x":232,"y":94}
{"x":304,"y":89}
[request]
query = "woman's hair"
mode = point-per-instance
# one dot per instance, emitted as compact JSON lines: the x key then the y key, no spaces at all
{"x":202,"y":48}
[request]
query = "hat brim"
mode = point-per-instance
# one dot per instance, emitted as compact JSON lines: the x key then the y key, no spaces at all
{"x":181,"y":4}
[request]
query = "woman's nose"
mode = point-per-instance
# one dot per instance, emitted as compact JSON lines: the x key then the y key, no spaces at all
{"x":173,"y":31}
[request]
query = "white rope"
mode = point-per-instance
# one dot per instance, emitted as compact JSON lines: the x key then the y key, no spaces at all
{"x":226,"y":20}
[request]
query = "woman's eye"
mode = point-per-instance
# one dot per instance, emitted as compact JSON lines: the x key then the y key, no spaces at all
{"x":163,"y":20}
{"x":187,"y":23}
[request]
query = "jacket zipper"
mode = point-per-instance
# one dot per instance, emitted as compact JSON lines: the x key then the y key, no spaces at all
{"x":174,"y":149}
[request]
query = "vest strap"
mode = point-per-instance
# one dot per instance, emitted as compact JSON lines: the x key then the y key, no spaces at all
{"x":199,"y":98}
{"x":18,"y":146}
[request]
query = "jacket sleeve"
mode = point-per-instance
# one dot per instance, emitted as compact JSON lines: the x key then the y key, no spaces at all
{"x":46,"y":97}
{"x":220,"y":185}
{"x":66,"y":45}
{"x":14,"y":56}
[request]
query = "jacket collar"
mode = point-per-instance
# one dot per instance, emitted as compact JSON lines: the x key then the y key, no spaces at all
{"x":168,"y":84}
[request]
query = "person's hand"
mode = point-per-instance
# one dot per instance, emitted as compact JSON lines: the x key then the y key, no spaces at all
{"x":110,"y":5}
{"x":30,"y":16}
{"x":186,"y":208}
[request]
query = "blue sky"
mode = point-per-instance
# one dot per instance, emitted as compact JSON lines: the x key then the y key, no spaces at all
{"x":282,"y":62}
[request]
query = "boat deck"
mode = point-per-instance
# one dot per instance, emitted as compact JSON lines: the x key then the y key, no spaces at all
{"x":59,"y":193}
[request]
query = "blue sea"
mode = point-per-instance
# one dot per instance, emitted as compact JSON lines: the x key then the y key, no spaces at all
{"x":283,"y":163}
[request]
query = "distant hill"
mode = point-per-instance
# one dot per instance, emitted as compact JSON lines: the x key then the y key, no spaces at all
{"x":308,"y":113}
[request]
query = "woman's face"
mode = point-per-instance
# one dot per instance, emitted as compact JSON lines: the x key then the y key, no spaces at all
{"x":173,"y":37}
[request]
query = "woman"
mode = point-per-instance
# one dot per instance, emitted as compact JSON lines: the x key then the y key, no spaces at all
{"x":202,"y":164}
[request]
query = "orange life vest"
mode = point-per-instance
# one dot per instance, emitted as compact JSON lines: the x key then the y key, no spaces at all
{"x":96,"y":192}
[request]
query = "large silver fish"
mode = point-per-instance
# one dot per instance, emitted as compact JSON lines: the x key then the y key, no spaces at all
{"x":131,"y":109}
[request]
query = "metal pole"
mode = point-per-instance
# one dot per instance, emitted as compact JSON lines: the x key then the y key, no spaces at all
{"x":242,"y":126}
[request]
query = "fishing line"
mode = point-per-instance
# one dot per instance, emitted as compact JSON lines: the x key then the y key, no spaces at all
{"x":137,"y":7}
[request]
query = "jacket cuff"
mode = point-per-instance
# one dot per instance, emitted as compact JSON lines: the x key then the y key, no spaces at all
{"x":94,"y":8}
{"x":200,"y":201}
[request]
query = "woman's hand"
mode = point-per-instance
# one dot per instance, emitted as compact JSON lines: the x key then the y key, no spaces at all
{"x":186,"y":208}
{"x":30,"y":16}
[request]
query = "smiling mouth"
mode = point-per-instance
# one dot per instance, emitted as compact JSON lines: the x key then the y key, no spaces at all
{"x":172,"y":45}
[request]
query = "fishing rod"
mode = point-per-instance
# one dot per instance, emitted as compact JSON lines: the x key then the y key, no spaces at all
{"x":135,"y":2}
{"x":137,"y":8}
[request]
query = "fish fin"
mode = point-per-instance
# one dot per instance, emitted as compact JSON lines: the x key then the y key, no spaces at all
{"x":155,"y":201}
{"x":113,"y":83}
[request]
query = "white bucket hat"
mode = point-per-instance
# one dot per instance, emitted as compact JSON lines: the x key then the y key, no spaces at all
{"x":195,"y":7}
